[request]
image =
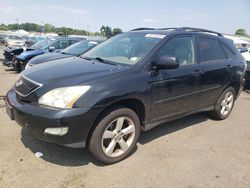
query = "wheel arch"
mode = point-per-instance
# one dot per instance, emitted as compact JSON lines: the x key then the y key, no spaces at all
{"x":132,"y":103}
{"x":235,"y":85}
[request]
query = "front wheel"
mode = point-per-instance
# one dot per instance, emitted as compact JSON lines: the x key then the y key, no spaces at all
{"x":115,"y":136}
{"x":224,"y":104}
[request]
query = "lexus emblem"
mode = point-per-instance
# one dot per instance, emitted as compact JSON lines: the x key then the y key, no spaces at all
{"x":18,"y":83}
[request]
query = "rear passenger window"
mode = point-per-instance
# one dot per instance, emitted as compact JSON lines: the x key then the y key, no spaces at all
{"x":228,"y":52}
{"x":210,"y":50}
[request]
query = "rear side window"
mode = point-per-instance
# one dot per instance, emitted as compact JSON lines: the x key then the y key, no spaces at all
{"x":210,"y":50}
{"x":228,"y":52}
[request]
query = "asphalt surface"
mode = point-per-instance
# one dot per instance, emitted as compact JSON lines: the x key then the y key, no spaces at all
{"x":191,"y":152}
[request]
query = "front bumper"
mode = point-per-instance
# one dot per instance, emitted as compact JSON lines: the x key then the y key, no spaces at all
{"x":36,"y":119}
{"x":8,"y":55}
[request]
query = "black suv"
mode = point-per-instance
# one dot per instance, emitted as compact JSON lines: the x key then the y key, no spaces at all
{"x":130,"y":83}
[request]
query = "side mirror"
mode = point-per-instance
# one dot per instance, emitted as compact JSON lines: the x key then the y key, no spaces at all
{"x":51,"y":49}
{"x":167,"y":62}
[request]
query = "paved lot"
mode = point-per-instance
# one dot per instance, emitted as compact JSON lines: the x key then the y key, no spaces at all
{"x":191,"y":152}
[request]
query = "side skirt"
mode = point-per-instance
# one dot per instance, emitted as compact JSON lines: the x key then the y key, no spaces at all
{"x":149,"y":126}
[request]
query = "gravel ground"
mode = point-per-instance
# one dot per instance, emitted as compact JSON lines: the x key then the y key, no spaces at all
{"x":191,"y":152}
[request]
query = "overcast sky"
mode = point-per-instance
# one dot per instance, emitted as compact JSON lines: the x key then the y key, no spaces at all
{"x":221,"y":15}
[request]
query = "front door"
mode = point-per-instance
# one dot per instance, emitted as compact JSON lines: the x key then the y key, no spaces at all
{"x":176,"y":91}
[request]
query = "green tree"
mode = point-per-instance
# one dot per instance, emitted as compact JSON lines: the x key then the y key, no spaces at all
{"x":103,"y":30}
{"x":106,"y":31}
{"x":3,"y":27}
{"x":241,"y":32}
{"x":116,"y":31}
{"x":49,"y":28}
{"x":13,"y":27}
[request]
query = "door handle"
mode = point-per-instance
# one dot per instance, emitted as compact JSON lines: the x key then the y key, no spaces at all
{"x":229,"y":66}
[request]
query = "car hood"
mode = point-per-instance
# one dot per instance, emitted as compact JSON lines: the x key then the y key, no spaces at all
{"x":70,"y":71}
{"x":47,"y":57}
{"x":28,"y":54}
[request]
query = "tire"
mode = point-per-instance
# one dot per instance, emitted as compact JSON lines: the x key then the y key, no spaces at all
{"x":226,"y":102}
{"x":117,"y":145}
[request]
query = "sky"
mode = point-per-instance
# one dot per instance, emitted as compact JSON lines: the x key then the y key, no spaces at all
{"x":224,"y":16}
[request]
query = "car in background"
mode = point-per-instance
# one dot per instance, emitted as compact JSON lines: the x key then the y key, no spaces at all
{"x":11,"y":53}
{"x":73,"y":50}
{"x":130,"y":83}
{"x":2,"y":38}
{"x":55,"y":45}
{"x":33,"y":40}
{"x":245,"y":52}
{"x":13,"y":41}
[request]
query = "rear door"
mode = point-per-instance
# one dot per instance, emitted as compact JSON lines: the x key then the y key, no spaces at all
{"x":176,"y":91}
{"x":216,"y":69}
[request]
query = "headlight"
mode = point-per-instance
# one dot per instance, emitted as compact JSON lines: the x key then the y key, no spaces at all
{"x":64,"y":97}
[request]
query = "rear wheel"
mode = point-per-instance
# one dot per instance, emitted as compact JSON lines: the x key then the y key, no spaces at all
{"x":224,"y":104}
{"x":115,"y":136}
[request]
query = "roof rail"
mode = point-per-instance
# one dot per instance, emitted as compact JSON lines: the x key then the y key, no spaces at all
{"x":192,"y":29}
{"x":142,"y":28}
{"x":145,"y":28}
{"x":198,"y":30}
{"x":167,"y":28}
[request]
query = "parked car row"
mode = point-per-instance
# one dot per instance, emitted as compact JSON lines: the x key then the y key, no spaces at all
{"x":17,"y":41}
{"x":18,"y":58}
{"x":132,"y":82}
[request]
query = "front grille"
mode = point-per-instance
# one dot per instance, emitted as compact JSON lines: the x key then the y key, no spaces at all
{"x":25,"y":86}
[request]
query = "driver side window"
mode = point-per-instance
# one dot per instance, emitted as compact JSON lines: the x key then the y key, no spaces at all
{"x":181,"y":48}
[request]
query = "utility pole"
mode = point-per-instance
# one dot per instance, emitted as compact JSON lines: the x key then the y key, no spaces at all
{"x":18,"y":28}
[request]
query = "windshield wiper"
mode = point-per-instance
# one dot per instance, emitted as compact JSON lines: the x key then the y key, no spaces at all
{"x":85,"y":57}
{"x":105,"y":61}
{"x":66,"y":53}
{"x":99,"y":59}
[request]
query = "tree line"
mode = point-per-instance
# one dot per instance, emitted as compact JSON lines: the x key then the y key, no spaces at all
{"x":105,"y":31}
{"x":241,"y":32}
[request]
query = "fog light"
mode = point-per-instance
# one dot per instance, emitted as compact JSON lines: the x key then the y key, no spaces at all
{"x":60,"y":131}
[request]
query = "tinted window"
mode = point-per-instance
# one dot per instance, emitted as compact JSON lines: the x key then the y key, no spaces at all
{"x":43,"y":44}
{"x":73,"y":41}
{"x":210,"y":50}
{"x":228,"y":52}
{"x":182,"y":48}
{"x":14,"y":37}
{"x":55,"y":45}
{"x":63,"y":44}
{"x":79,"y":48}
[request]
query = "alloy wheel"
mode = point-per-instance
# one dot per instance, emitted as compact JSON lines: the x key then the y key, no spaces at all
{"x":118,"y":137}
{"x":227,"y":103}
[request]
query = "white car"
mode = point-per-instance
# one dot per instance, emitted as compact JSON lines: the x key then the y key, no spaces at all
{"x":13,"y":41}
{"x":246,"y":55}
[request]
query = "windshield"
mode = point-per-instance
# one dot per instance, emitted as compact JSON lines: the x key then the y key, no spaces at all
{"x":14,"y":37}
{"x":127,"y":48}
{"x":80,"y":47}
{"x":42,"y":44}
